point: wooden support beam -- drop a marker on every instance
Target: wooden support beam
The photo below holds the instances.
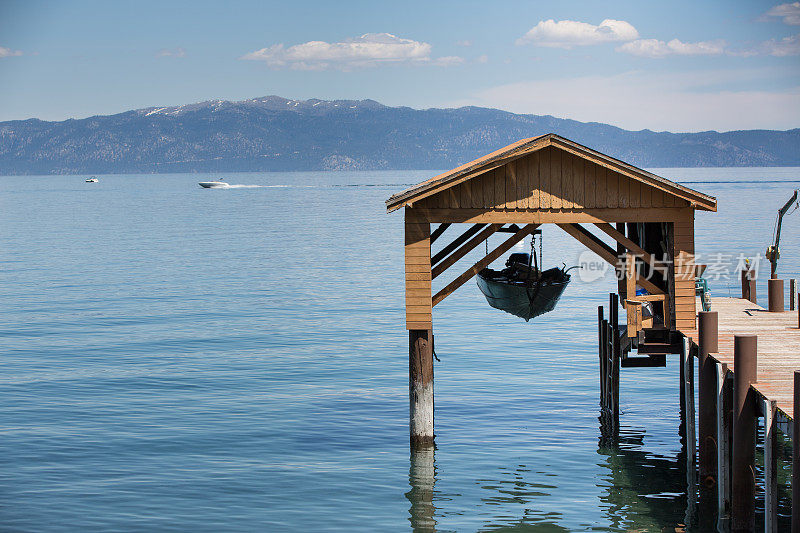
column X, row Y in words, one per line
column 596, row 240
column 630, row 276
column 604, row 251
column 458, row 241
column 634, row 309
column 451, row 259
column 562, row 216
column 632, row 247
column 483, row 263
column 438, row 231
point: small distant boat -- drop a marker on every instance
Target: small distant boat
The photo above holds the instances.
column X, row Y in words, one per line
column 91, row 180
column 220, row 184
column 521, row 290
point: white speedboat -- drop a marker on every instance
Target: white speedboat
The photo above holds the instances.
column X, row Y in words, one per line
column 213, row 184
column 91, row 180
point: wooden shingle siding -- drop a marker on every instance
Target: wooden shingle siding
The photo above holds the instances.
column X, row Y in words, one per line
column 685, row 304
column 418, row 271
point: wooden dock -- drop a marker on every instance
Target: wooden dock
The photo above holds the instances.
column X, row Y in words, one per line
column 593, row 197
column 778, row 346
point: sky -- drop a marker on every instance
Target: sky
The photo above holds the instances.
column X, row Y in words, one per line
column 676, row 66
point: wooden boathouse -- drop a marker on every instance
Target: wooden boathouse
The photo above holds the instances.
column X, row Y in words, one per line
column 544, row 180
column 552, row 180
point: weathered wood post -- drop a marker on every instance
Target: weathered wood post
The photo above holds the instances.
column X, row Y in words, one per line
column 775, row 295
column 724, row 401
column 420, row 386
column 707, row 420
column 769, row 407
column 743, row 482
column 792, row 293
column 796, row 454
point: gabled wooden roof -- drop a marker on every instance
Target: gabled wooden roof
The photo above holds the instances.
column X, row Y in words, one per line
column 524, row 147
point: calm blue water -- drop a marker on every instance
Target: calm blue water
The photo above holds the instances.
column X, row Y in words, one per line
column 182, row 359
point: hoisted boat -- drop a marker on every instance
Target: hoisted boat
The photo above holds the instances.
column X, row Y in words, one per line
column 522, row 289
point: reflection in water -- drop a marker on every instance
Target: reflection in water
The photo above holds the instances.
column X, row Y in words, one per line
column 646, row 492
column 422, row 477
column 513, row 488
column 640, row 491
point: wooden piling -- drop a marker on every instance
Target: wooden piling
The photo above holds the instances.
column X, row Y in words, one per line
column 749, row 286
column 688, row 394
column 612, row 399
column 601, row 351
column 743, row 483
column 769, row 408
column 613, row 313
column 796, row 454
column 724, row 400
column 420, row 386
column 707, row 397
column 792, row 293
column 775, row 295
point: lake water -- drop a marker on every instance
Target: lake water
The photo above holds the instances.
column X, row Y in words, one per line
column 186, row 359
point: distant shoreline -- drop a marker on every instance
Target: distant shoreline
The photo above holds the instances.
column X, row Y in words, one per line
column 273, row 134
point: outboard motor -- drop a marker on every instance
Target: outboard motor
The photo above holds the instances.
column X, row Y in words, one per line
column 519, row 258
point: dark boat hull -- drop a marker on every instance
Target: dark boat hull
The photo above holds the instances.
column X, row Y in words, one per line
column 519, row 300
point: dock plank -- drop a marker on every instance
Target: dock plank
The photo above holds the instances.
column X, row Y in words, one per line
column 778, row 346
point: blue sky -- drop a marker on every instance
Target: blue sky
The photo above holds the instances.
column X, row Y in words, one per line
column 677, row 66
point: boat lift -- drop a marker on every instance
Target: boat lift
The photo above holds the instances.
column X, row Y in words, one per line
column 773, row 252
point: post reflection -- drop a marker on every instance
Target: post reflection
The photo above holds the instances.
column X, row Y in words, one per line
column 650, row 492
column 422, row 478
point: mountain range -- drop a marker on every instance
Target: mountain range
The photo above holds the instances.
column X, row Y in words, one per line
column 278, row 134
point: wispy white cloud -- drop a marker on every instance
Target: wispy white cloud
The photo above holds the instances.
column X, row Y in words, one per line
column 465, row 42
column 638, row 100
column 570, row 33
column 8, row 52
column 790, row 13
column 788, row 46
column 171, row 52
column 483, row 58
column 447, row 61
column 656, row 49
column 368, row 50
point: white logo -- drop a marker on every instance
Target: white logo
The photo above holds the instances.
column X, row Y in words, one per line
column 591, row 268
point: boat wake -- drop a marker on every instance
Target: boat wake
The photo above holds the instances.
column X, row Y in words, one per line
column 223, row 185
